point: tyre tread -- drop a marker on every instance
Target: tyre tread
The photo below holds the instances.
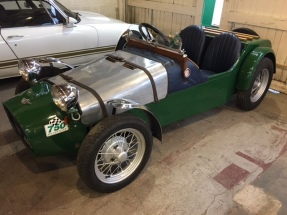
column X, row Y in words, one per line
column 90, row 143
column 243, row 96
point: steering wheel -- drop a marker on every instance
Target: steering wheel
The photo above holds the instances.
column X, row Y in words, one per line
column 147, row 35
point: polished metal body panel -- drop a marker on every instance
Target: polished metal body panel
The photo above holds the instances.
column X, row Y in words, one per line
column 112, row 80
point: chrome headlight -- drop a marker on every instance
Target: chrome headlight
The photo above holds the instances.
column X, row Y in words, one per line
column 29, row 69
column 65, row 96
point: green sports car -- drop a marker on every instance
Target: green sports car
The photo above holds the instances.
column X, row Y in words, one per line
column 108, row 110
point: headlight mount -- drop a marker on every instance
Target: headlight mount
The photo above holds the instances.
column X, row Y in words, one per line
column 29, row 69
column 65, row 96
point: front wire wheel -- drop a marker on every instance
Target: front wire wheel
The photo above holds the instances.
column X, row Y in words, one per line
column 120, row 155
column 114, row 152
column 249, row 99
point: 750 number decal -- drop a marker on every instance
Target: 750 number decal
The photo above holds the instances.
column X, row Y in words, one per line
column 55, row 129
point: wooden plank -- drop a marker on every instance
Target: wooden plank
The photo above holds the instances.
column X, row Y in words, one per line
column 284, row 76
column 138, row 15
column 156, row 18
column 279, row 86
column 261, row 31
column 177, row 20
column 281, row 66
column 122, row 10
column 271, row 34
column 235, row 6
column 244, row 6
column 167, row 7
column 277, row 9
column 257, row 20
column 198, row 14
column 282, row 54
column 253, row 6
column 283, row 7
column 183, row 23
column 248, row 36
column 167, row 22
column 148, row 15
column 264, row 8
column 276, row 42
column 227, row 7
column 277, row 75
column 218, row 33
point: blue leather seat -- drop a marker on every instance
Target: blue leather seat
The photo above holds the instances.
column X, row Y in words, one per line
column 221, row 54
column 193, row 39
column 176, row 81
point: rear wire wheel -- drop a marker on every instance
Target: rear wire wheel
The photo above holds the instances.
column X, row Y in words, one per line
column 249, row 99
column 114, row 152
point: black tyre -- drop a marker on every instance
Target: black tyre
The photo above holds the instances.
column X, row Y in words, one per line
column 46, row 72
column 114, row 152
column 245, row 31
column 22, row 86
column 252, row 97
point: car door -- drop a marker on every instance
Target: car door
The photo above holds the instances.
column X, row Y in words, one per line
column 36, row 28
column 8, row 61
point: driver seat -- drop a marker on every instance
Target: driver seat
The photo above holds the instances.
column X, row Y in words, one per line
column 193, row 39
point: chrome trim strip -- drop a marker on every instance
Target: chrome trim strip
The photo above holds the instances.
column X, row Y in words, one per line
column 63, row 55
column 65, row 16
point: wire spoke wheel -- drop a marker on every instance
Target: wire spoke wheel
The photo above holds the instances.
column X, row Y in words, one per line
column 250, row 98
column 259, row 85
column 114, row 152
column 120, row 155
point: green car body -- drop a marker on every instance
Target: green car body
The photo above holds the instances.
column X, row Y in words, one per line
column 32, row 109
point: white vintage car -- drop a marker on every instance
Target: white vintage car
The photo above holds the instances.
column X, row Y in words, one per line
column 41, row 28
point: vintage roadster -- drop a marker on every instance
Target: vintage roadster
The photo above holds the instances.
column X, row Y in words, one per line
column 108, row 110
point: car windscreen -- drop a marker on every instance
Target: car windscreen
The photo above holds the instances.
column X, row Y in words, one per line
column 67, row 11
column 23, row 13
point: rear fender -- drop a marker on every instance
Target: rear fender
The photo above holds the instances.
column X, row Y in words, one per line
column 122, row 105
column 251, row 63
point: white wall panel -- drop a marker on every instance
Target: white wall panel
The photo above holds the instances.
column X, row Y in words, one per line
column 269, row 20
column 106, row 7
column 167, row 15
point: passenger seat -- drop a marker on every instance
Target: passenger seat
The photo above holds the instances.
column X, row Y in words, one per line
column 221, row 54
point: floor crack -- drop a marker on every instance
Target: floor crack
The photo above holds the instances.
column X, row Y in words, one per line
column 214, row 198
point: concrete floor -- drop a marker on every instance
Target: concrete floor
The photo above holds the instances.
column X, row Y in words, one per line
column 224, row 161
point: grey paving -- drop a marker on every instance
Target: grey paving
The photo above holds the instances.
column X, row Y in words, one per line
column 203, row 165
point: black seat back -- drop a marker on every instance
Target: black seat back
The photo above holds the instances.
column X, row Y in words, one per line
column 222, row 53
column 193, row 38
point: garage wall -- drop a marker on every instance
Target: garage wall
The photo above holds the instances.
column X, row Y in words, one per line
column 106, row 7
column 269, row 20
column 167, row 15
